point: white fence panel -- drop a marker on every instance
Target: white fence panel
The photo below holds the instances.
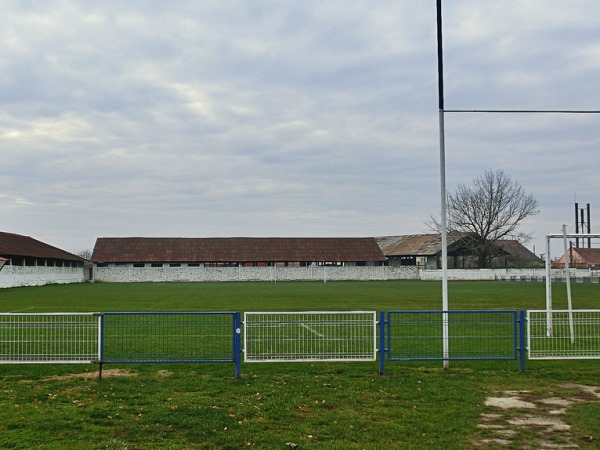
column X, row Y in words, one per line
column 310, row 336
column 563, row 334
column 37, row 338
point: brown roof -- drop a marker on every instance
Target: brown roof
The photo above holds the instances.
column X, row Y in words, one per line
column 140, row 249
column 430, row 244
column 582, row 257
column 412, row 244
column 516, row 249
column 18, row 245
column 591, row 256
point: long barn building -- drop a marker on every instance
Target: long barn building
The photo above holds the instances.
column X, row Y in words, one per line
column 205, row 259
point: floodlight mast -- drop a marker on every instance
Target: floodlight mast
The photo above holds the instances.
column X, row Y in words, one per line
column 444, row 213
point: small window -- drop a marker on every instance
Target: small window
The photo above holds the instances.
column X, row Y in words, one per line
column 175, row 265
column 193, row 264
column 156, row 265
column 101, row 265
column 139, row 265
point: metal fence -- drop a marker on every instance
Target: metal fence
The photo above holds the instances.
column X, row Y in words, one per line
column 159, row 337
column 310, row 336
column 563, row 334
column 215, row 337
column 49, row 338
column 472, row 335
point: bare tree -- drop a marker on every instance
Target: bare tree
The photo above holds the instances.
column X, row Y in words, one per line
column 491, row 209
column 85, row 254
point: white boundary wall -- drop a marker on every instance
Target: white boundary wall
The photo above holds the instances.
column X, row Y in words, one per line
column 508, row 274
column 16, row 276
column 128, row 273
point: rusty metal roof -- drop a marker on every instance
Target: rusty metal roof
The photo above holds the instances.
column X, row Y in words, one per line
column 430, row 244
column 18, row 245
column 412, row 244
column 142, row 249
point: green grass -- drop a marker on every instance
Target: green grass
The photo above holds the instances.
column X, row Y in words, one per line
column 290, row 296
column 313, row 405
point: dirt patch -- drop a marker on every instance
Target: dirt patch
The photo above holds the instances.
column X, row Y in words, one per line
column 509, row 403
column 164, row 374
column 532, row 421
column 107, row 373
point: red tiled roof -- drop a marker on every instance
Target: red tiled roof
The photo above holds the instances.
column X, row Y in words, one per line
column 18, row 245
column 589, row 256
column 140, row 249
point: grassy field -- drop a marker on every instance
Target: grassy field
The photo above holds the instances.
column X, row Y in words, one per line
column 282, row 405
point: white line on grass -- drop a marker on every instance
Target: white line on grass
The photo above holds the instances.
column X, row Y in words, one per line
column 311, row 330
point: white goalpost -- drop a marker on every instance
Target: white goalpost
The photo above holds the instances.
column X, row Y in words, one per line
column 564, row 236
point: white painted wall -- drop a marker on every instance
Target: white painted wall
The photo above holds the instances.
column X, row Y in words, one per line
column 503, row 274
column 15, row 276
column 128, row 273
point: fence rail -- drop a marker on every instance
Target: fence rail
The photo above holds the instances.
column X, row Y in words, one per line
column 171, row 337
column 310, row 336
column 52, row 338
column 472, row 335
column 215, row 337
column 563, row 334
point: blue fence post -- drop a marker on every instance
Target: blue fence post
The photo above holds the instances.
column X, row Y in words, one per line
column 381, row 342
column 522, row 349
column 100, row 345
column 237, row 345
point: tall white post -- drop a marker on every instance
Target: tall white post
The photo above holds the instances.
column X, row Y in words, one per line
column 444, row 208
column 444, row 231
column 548, row 290
column 568, row 281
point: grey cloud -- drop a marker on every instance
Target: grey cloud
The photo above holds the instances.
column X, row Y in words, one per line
column 283, row 118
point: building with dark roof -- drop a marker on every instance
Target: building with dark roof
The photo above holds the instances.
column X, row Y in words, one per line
column 238, row 258
column 243, row 251
column 32, row 263
column 425, row 251
column 580, row 258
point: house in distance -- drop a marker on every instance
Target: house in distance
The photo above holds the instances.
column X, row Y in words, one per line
column 30, row 262
column 425, row 251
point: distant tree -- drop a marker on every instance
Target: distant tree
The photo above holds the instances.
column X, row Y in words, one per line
column 85, row 254
column 491, row 209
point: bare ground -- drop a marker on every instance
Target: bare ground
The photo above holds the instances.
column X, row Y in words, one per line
column 522, row 419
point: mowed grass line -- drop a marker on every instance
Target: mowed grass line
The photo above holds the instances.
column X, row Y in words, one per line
column 320, row 405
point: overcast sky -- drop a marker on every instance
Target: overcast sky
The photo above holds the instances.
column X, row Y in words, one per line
column 287, row 118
